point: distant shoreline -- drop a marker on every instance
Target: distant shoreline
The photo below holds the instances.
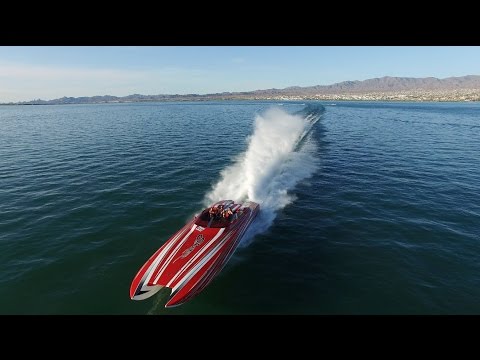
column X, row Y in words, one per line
column 246, row 99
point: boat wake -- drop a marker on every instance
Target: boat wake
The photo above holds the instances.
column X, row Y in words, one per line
column 280, row 154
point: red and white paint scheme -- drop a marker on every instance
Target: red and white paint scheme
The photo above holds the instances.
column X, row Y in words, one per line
column 193, row 256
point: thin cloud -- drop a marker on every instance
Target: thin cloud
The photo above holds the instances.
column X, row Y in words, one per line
column 239, row 60
column 35, row 72
column 20, row 82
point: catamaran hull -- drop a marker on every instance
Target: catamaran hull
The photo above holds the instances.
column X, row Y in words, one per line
column 193, row 256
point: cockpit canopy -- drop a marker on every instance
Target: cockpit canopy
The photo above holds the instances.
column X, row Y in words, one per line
column 218, row 221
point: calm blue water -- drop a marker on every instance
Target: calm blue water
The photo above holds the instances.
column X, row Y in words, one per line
column 385, row 221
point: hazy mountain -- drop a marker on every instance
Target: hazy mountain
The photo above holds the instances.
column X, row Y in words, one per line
column 386, row 85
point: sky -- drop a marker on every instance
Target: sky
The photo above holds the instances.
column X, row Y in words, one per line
column 28, row 73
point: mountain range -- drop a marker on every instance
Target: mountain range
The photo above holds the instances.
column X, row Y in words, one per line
column 389, row 88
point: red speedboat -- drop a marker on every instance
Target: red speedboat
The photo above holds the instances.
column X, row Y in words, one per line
column 193, row 256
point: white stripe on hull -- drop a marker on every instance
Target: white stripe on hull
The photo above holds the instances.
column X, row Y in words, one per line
column 215, row 251
column 143, row 283
column 200, row 264
column 153, row 266
column 196, row 256
column 165, row 264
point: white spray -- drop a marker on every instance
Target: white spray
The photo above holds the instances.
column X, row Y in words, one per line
column 271, row 166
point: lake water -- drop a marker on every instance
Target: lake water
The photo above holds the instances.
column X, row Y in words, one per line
column 373, row 209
